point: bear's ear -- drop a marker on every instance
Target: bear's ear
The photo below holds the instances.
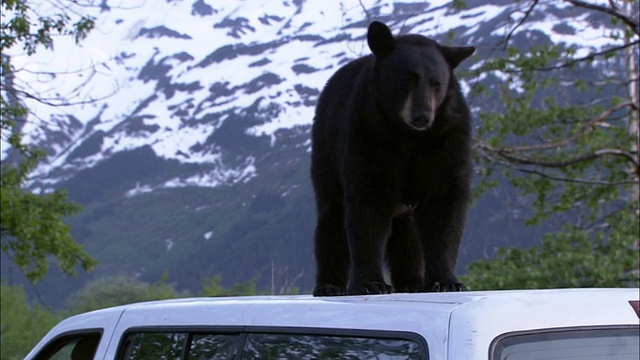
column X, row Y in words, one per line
column 455, row 54
column 380, row 39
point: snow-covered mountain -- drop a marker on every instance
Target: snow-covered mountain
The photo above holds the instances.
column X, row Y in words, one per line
column 209, row 95
column 169, row 74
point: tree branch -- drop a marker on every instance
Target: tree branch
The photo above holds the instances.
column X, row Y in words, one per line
column 63, row 102
column 575, row 180
column 512, row 165
column 591, row 123
column 560, row 164
column 627, row 20
column 504, row 42
column 590, row 56
column 366, row 12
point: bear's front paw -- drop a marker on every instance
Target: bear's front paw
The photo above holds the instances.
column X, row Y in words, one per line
column 328, row 290
column 369, row 288
column 446, row 287
column 415, row 288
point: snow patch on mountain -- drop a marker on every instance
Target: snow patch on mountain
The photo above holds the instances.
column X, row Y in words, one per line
column 170, row 74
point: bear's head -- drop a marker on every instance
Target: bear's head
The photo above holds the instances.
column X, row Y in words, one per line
column 412, row 74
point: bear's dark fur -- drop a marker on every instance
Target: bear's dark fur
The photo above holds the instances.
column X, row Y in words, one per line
column 391, row 168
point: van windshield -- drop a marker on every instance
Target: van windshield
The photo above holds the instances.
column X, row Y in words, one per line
column 591, row 344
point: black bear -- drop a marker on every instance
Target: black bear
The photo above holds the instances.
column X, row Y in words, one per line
column 391, row 168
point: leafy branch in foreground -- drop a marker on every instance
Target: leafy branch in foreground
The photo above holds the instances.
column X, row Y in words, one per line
column 561, row 126
column 32, row 225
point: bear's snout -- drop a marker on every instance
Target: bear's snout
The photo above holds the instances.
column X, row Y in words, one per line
column 418, row 113
column 421, row 120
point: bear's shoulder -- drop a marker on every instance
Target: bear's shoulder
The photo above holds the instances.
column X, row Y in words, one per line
column 354, row 67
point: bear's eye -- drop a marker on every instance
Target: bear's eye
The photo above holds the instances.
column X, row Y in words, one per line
column 414, row 77
column 434, row 83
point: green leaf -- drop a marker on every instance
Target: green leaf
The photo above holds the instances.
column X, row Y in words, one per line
column 554, row 126
column 32, row 225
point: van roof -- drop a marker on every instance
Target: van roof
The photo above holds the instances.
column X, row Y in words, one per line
column 572, row 304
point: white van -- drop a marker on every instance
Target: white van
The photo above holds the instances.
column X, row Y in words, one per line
column 514, row 325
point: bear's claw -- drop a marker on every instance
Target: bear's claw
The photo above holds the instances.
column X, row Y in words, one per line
column 446, row 287
column 369, row 288
column 328, row 290
column 417, row 288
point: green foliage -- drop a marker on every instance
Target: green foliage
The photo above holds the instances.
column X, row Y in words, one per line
column 572, row 258
column 19, row 29
column 458, row 4
column 211, row 287
column 32, row 226
column 564, row 132
column 120, row 290
column 21, row 325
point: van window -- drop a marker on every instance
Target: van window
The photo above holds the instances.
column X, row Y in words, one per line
column 592, row 344
column 213, row 346
column 155, row 345
column 179, row 345
column 201, row 345
column 307, row 347
column 74, row 346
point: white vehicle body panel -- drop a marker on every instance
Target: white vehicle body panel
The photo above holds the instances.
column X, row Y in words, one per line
column 454, row 325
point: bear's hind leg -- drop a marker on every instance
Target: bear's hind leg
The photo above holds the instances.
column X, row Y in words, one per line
column 404, row 256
